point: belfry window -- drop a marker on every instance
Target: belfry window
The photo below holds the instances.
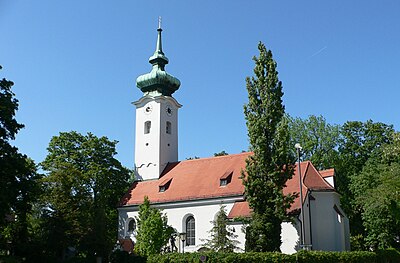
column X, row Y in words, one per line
column 190, row 231
column 168, row 127
column 147, row 127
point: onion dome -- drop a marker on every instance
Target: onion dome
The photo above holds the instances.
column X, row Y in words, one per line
column 158, row 79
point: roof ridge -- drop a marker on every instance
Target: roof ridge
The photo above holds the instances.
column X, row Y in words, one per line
column 216, row 157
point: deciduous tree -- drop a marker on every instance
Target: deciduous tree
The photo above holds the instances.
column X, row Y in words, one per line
column 319, row 140
column 377, row 196
column 358, row 142
column 271, row 165
column 153, row 231
column 84, row 183
column 18, row 178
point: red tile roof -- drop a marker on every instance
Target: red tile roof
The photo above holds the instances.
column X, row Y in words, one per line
column 200, row 179
column 240, row 209
column 327, row 173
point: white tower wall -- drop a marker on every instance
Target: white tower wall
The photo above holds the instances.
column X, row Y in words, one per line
column 155, row 147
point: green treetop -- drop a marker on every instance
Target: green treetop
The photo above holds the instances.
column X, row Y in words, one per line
column 83, row 185
column 19, row 180
column 268, row 169
column 153, row 231
column 222, row 238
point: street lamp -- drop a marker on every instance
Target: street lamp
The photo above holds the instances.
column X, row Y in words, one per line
column 298, row 147
column 183, row 238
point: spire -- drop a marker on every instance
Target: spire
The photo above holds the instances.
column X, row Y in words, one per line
column 158, row 57
column 159, row 43
column 158, row 79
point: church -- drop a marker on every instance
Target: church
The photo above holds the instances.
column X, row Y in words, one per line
column 191, row 192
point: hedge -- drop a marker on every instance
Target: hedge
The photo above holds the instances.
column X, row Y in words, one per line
column 386, row 256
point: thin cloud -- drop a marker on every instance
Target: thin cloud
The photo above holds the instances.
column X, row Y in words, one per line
column 319, row 51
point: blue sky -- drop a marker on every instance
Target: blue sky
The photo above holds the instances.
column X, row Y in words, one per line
column 74, row 64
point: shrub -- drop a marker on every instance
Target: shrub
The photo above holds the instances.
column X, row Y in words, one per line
column 385, row 256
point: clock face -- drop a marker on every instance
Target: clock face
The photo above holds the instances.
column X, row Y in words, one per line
column 148, row 109
column 168, row 110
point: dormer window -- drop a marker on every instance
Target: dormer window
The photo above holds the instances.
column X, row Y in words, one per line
column 147, row 127
column 225, row 179
column 164, row 185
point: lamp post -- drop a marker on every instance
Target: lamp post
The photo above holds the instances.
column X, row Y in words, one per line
column 302, row 239
column 183, row 238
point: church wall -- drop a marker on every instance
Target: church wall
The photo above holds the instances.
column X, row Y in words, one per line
column 204, row 212
column 177, row 214
column 329, row 228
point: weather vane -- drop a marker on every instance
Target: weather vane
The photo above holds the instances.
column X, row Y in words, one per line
column 159, row 22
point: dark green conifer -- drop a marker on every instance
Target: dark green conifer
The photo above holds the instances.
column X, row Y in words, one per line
column 271, row 165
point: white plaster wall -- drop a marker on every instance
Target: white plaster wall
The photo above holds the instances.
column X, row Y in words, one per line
column 155, row 149
column 330, row 180
column 329, row 230
column 202, row 213
column 289, row 237
column 324, row 231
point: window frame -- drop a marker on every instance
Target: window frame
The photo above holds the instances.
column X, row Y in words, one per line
column 190, row 225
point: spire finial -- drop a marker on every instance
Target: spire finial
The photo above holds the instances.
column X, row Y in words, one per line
column 159, row 44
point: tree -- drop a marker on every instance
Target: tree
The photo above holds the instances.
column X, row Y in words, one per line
column 271, row 164
column 222, row 238
column 358, row 142
column 83, row 185
column 10, row 159
column 153, row 231
column 377, row 196
column 318, row 139
column 18, row 178
column 221, row 153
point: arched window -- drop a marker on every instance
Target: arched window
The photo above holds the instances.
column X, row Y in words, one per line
column 190, row 231
column 168, row 127
column 147, row 127
column 131, row 225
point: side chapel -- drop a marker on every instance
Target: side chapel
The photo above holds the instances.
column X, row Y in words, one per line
column 191, row 192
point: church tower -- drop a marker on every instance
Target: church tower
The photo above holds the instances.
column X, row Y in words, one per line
column 156, row 140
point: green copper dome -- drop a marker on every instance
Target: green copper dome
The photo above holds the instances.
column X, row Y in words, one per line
column 158, row 79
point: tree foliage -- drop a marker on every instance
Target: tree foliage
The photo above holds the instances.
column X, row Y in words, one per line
column 19, row 179
column 319, row 140
column 221, row 153
column 153, row 231
column 377, row 196
column 268, row 169
column 83, row 185
column 222, row 238
column 365, row 156
column 358, row 142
